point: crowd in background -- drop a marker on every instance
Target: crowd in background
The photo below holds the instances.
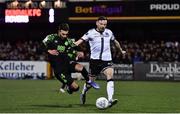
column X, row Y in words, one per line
column 22, row 50
column 136, row 51
column 146, row 51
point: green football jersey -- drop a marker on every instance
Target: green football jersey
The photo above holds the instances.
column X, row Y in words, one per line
column 64, row 46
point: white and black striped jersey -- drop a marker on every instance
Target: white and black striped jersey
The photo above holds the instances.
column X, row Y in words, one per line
column 99, row 44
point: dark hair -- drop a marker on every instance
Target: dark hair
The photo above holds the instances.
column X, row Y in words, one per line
column 102, row 18
column 63, row 26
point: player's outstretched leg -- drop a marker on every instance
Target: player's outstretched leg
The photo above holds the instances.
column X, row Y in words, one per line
column 110, row 93
column 85, row 89
column 86, row 76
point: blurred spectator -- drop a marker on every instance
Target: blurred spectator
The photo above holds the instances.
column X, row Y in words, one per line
column 19, row 50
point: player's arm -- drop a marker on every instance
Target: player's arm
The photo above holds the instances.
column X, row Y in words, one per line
column 53, row 52
column 85, row 37
column 118, row 46
column 48, row 45
column 73, row 45
column 78, row 42
column 79, row 55
column 78, row 47
column 75, row 51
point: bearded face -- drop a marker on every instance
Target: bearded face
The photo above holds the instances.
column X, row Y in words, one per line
column 101, row 25
column 63, row 34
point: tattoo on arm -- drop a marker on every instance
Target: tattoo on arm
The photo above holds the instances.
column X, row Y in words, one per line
column 117, row 44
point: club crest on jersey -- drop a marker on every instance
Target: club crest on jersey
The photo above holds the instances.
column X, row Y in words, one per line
column 106, row 34
column 61, row 48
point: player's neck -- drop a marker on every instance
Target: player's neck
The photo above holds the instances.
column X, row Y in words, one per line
column 99, row 31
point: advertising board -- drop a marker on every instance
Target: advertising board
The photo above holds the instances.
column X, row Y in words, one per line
column 157, row 71
column 24, row 69
column 125, row 10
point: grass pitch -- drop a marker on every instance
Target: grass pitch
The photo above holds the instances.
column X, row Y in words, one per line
column 42, row 96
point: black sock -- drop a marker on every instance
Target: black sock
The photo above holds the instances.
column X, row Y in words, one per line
column 63, row 85
column 110, row 80
column 85, row 74
column 58, row 77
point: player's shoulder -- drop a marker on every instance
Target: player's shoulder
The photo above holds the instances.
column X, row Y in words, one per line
column 91, row 30
column 70, row 40
column 51, row 36
column 108, row 30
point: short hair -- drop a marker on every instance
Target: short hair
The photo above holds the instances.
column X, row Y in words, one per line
column 102, row 18
column 63, row 26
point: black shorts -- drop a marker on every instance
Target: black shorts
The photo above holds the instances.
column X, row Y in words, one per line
column 97, row 66
column 63, row 71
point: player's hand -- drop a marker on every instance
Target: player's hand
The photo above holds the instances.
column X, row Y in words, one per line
column 123, row 52
column 53, row 52
column 79, row 55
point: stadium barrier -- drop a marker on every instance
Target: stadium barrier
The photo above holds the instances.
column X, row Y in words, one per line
column 136, row 71
column 25, row 70
column 146, row 71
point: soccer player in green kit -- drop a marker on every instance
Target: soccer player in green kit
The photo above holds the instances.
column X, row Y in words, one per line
column 62, row 53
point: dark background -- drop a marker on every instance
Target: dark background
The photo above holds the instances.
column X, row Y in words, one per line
column 123, row 30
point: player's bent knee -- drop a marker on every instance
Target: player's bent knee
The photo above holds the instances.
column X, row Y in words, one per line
column 79, row 67
column 73, row 89
column 109, row 73
column 70, row 90
column 76, row 89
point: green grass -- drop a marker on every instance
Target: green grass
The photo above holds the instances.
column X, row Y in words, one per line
column 35, row 96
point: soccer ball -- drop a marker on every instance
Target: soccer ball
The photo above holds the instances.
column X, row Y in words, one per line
column 102, row 103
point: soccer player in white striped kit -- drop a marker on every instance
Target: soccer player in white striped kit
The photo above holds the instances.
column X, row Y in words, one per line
column 99, row 39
